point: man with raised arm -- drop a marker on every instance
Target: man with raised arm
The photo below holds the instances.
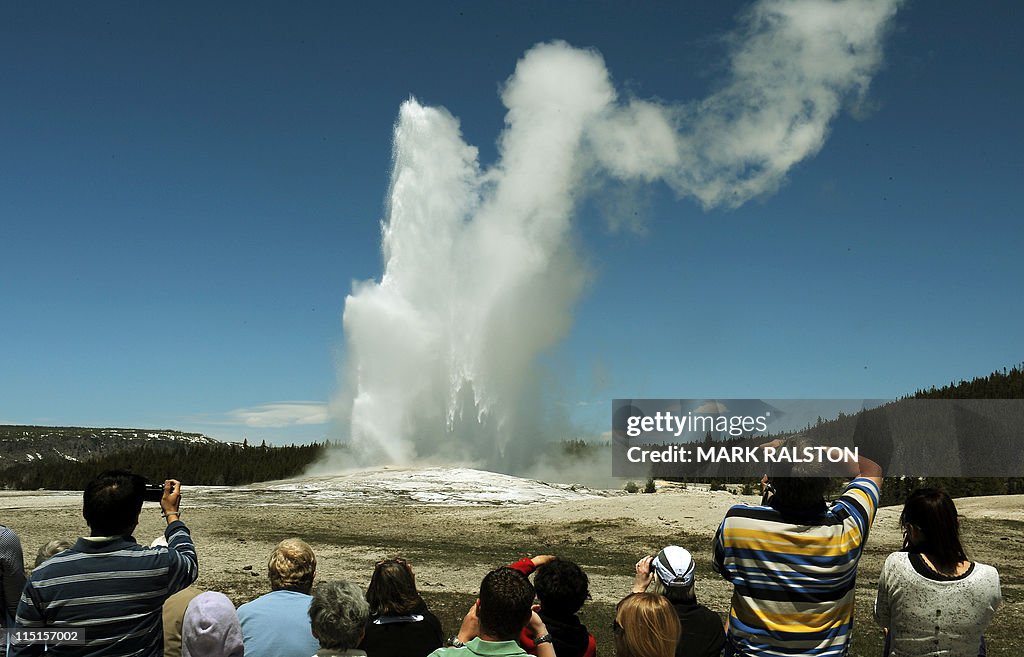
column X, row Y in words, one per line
column 562, row 587
column 106, row 588
column 493, row 624
column 793, row 561
column 673, row 573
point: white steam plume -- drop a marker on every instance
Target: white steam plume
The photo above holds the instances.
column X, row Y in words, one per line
column 793, row 64
column 480, row 276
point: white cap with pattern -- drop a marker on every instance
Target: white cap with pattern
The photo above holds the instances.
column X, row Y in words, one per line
column 674, row 566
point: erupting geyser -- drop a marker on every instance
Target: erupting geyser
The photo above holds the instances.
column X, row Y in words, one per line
column 479, row 275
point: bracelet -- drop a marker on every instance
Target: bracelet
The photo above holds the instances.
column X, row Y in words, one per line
column 172, row 513
column 543, row 638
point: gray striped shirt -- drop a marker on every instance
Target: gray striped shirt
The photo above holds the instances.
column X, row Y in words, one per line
column 112, row 589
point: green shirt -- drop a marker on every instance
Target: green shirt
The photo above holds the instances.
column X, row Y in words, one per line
column 478, row 646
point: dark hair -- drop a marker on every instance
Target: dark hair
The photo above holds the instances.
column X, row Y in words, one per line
column 561, row 587
column 799, row 497
column 112, row 502
column 933, row 514
column 675, row 594
column 392, row 590
column 506, row 600
column 800, row 487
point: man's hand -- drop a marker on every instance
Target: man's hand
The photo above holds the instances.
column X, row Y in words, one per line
column 536, row 628
column 536, row 625
column 171, row 500
column 542, row 559
column 644, row 576
column 470, row 625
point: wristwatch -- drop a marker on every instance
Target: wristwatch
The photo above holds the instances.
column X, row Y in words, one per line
column 543, row 638
column 454, row 642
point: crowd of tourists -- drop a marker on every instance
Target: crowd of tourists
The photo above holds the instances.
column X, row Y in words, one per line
column 791, row 560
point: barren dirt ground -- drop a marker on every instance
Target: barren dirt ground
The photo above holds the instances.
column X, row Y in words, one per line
column 451, row 548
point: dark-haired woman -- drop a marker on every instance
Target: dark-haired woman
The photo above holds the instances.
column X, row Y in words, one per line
column 400, row 624
column 931, row 598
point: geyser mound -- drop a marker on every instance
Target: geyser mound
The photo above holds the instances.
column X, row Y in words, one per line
column 438, row 486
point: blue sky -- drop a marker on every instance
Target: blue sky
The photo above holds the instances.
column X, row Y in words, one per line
column 187, row 193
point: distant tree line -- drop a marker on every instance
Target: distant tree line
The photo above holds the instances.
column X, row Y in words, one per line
column 213, row 464
column 874, row 436
column 1005, row 384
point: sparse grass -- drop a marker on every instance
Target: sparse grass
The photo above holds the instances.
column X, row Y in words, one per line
column 451, row 551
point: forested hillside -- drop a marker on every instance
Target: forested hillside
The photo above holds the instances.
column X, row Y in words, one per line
column 1008, row 384
column 192, row 460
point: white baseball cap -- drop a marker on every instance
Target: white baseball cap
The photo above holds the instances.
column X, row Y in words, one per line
column 674, row 566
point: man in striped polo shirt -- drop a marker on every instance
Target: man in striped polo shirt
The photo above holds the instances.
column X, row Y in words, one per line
column 107, row 585
column 793, row 563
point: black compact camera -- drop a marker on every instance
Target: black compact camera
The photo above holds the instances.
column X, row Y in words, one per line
column 153, row 492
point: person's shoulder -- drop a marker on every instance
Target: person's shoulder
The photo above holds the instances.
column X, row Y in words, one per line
column 744, row 510
column 898, row 557
column 185, row 595
column 258, row 603
column 707, row 611
column 750, row 516
column 985, row 571
column 61, row 564
column 283, row 599
column 698, row 615
column 896, row 560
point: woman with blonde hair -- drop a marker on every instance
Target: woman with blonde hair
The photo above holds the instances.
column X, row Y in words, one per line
column 645, row 625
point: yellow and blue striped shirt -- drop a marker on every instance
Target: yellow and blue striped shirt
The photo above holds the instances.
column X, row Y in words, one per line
column 794, row 583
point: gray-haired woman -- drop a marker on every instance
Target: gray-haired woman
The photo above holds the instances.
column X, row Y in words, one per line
column 337, row 616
